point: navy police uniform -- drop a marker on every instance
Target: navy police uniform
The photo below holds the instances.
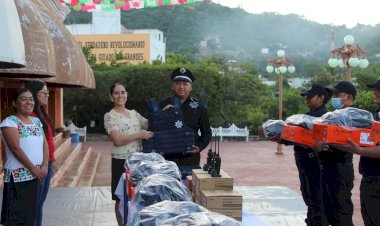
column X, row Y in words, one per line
column 195, row 116
column 337, row 173
column 370, row 184
column 309, row 170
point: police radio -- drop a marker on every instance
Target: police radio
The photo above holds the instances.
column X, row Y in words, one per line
column 217, row 161
column 213, row 155
column 207, row 165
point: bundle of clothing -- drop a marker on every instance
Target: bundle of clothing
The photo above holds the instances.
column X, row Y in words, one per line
column 159, row 187
column 352, row 117
column 301, row 120
column 273, row 128
column 147, row 168
column 157, row 213
column 201, row 219
column 134, row 159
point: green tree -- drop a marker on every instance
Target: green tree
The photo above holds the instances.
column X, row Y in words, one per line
column 87, row 52
column 365, row 100
column 293, row 103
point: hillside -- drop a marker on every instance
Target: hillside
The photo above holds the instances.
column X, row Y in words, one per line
column 241, row 35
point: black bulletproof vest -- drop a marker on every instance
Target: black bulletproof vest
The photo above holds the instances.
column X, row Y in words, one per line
column 171, row 134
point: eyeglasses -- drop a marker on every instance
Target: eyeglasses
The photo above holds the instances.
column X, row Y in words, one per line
column 45, row 93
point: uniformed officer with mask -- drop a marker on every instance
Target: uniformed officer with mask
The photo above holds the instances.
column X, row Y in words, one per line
column 195, row 116
column 307, row 162
column 337, row 169
column 369, row 167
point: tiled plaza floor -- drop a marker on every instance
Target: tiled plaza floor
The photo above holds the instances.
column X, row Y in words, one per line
column 268, row 182
column 255, row 164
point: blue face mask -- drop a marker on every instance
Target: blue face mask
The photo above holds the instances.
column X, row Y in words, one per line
column 336, row 103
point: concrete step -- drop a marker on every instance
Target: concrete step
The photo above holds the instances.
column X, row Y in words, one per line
column 75, row 169
column 63, row 164
column 88, row 175
column 103, row 172
column 58, row 140
column 62, row 152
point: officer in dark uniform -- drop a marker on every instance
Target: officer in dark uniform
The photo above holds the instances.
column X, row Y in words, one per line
column 337, row 169
column 307, row 161
column 195, row 116
column 369, row 167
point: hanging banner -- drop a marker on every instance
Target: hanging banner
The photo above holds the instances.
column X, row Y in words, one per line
column 112, row 5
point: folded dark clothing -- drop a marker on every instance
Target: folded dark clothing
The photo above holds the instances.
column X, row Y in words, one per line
column 352, row 117
column 301, row 120
column 273, row 128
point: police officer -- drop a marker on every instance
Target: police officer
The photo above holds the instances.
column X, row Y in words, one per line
column 337, row 169
column 307, row 162
column 195, row 116
column 369, row 167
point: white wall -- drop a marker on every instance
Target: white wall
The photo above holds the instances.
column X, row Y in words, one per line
column 157, row 43
column 109, row 23
column 106, row 22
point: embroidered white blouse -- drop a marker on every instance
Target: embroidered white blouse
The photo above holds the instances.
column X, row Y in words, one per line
column 31, row 142
column 114, row 121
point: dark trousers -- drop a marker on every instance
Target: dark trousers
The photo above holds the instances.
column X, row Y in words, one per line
column 311, row 189
column 370, row 200
column 337, row 184
column 44, row 189
column 117, row 169
column 20, row 202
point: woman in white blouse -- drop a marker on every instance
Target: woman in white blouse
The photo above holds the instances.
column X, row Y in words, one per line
column 27, row 157
column 126, row 128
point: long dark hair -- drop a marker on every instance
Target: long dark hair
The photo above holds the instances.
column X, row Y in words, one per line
column 35, row 86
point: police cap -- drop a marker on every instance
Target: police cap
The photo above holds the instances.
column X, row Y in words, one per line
column 316, row 89
column 182, row 74
column 344, row 87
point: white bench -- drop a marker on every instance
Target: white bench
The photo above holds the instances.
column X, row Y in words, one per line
column 232, row 131
column 80, row 131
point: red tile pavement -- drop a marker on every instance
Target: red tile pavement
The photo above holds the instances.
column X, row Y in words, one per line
column 250, row 163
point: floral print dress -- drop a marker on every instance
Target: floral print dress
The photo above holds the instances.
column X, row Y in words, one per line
column 114, row 121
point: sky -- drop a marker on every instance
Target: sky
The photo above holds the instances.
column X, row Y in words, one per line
column 334, row 12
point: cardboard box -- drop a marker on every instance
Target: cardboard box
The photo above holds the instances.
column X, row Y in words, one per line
column 340, row 134
column 195, row 172
column 189, row 182
column 227, row 202
column 206, row 182
column 220, row 199
column 375, row 132
column 298, row 135
column 236, row 214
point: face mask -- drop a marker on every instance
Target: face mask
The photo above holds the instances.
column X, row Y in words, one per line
column 336, row 103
